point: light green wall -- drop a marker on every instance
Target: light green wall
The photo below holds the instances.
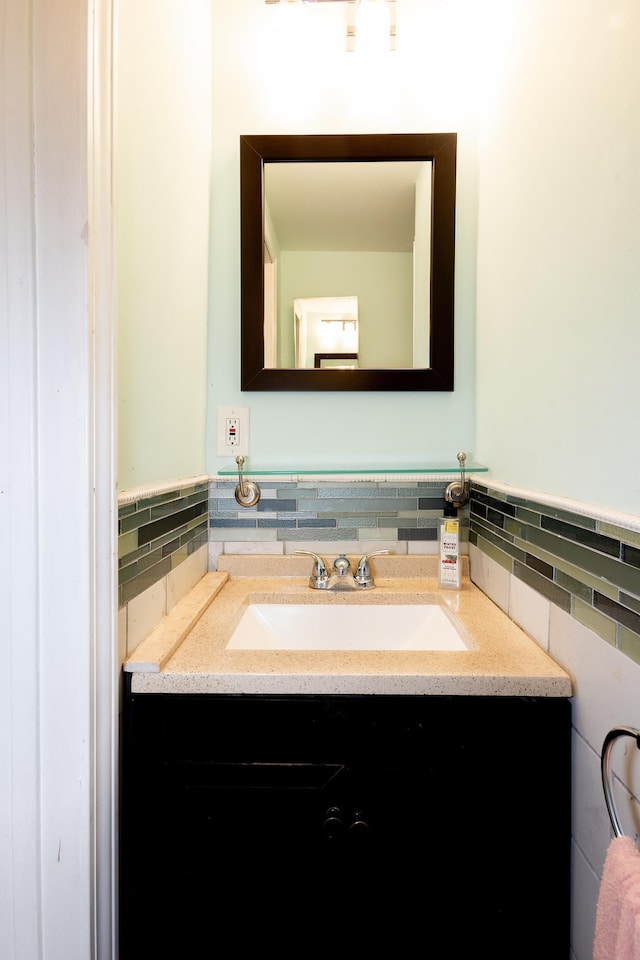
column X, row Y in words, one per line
column 162, row 167
column 545, row 100
column 559, row 251
column 381, row 281
column 263, row 82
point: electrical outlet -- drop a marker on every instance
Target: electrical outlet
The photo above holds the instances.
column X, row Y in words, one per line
column 233, row 431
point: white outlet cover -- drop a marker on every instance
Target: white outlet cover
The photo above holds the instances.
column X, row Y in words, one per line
column 242, row 447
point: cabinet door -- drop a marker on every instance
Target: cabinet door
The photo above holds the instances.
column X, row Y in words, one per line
column 357, row 822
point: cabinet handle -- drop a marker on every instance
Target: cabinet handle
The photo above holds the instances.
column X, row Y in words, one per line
column 359, row 825
column 333, row 823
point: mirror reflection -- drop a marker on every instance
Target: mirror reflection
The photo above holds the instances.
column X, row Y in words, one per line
column 353, row 226
column 364, row 216
column 326, row 332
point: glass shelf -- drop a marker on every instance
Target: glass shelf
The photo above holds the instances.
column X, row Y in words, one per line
column 420, row 469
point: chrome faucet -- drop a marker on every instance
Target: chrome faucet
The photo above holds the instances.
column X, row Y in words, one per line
column 341, row 577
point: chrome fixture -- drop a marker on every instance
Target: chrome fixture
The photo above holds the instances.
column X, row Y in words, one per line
column 319, row 574
column 247, row 492
column 457, row 493
column 342, row 577
column 607, row 777
column 368, row 16
column 363, row 575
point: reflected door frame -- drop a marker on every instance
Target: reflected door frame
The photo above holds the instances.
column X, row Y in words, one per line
column 270, row 306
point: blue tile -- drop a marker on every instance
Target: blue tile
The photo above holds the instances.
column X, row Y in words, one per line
column 277, row 506
column 237, row 524
column 423, row 533
column 267, row 524
column 318, row 522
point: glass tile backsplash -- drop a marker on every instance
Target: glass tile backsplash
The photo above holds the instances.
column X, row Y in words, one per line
column 588, row 567
column 300, row 511
column 157, row 533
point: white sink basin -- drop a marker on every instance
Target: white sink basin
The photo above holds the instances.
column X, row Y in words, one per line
column 357, row 626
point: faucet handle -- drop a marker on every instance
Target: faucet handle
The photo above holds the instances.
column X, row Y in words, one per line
column 319, row 574
column 341, row 565
column 363, row 575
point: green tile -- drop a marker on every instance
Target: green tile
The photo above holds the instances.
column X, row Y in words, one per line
column 495, row 553
column 167, row 497
column 345, row 523
column 590, row 581
column 594, row 620
column 377, row 534
column 247, row 534
column 131, row 558
column 128, row 573
column 497, row 494
column 629, row 643
column 616, row 572
column 362, row 505
column 135, row 520
column 127, row 543
column 567, row 516
column 319, row 534
column 491, row 530
column 632, row 537
column 502, row 543
column 528, row 516
column 514, row 527
column 141, row 583
column 628, row 601
column 176, row 531
column 150, row 560
column 574, row 586
column 355, row 492
column 542, row 585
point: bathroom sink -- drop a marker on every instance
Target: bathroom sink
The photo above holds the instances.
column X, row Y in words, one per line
column 355, row 626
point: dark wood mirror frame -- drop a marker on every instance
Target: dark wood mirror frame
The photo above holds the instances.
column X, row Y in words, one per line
column 255, row 151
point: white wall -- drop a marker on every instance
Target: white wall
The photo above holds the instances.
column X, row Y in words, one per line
column 162, row 168
column 559, row 250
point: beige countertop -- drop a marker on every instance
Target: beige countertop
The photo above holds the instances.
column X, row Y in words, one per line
column 186, row 652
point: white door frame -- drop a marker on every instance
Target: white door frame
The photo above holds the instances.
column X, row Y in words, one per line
column 104, row 515
column 58, row 610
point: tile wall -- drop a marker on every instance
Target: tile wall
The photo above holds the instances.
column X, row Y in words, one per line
column 587, row 566
column 157, row 531
column 292, row 511
column 162, row 552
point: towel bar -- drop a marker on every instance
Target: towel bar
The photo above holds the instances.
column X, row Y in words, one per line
column 605, row 767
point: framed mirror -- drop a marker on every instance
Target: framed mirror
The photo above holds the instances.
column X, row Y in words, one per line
column 331, row 219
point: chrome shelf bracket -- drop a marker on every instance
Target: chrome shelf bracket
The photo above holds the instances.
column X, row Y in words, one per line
column 247, row 492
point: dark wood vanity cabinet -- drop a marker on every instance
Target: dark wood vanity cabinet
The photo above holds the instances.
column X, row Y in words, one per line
column 433, row 826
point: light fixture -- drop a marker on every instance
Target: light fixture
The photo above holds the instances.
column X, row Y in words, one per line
column 363, row 16
column 343, row 320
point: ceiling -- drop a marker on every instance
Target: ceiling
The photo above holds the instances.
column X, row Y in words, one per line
column 349, row 205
